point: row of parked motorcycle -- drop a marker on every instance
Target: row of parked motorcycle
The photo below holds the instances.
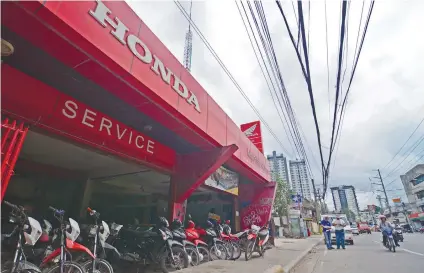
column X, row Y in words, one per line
column 100, row 248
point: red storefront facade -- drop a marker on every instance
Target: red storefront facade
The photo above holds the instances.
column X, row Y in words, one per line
column 94, row 73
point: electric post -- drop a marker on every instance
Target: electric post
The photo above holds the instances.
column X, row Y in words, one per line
column 385, row 193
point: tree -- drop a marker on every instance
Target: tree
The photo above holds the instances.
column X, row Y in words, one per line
column 350, row 215
column 282, row 198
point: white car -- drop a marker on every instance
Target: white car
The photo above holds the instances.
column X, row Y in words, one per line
column 347, row 234
column 355, row 230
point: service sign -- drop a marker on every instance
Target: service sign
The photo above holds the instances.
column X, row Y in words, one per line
column 253, row 132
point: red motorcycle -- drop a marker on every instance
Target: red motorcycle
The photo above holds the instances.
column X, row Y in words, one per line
column 232, row 242
column 71, row 230
column 257, row 238
column 194, row 237
column 217, row 248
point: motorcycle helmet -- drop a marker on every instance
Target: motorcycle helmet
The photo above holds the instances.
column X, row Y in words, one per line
column 162, row 222
column 190, row 224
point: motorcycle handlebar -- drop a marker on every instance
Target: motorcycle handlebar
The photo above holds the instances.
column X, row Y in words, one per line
column 57, row 211
column 93, row 212
column 11, row 205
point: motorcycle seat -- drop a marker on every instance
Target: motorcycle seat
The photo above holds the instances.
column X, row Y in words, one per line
column 263, row 233
column 138, row 233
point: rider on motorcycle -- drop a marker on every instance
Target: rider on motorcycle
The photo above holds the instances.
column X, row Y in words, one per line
column 384, row 225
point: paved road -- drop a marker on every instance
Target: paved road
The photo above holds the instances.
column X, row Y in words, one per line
column 367, row 255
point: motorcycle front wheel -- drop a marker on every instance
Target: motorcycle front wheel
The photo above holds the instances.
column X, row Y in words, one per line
column 218, row 252
column 236, row 250
column 180, row 260
column 68, row 267
column 205, row 253
column 249, row 250
column 102, row 266
column 193, row 254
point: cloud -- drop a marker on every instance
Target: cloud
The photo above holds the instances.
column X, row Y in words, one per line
column 386, row 101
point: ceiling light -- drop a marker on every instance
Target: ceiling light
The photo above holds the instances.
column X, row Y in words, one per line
column 6, row 48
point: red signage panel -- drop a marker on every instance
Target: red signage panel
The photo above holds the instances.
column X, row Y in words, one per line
column 258, row 212
column 253, row 132
column 53, row 110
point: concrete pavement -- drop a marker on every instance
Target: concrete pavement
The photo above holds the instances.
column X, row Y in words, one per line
column 284, row 256
column 367, row 255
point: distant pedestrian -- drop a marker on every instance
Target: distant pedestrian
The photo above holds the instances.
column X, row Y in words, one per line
column 326, row 228
column 339, row 225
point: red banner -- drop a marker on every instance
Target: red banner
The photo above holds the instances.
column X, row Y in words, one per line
column 259, row 211
column 253, row 132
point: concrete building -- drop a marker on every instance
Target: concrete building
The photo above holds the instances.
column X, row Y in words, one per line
column 413, row 183
column 278, row 165
column 299, row 178
column 344, row 197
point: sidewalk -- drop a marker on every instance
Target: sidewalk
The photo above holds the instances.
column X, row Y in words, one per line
column 284, row 256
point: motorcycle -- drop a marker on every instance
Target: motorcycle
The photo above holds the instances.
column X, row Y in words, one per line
column 97, row 236
column 27, row 228
column 257, row 239
column 232, row 241
column 142, row 248
column 217, row 248
column 399, row 234
column 390, row 242
column 194, row 237
column 67, row 234
column 179, row 235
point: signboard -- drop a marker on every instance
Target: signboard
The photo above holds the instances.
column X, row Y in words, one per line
column 225, row 180
column 253, row 132
column 396, row 200
column 259, row 211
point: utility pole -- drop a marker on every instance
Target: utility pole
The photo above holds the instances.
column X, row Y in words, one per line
column 317, row 199
column 385, row 193
column 379, row 200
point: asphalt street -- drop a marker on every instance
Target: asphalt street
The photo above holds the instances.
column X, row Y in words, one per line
column 367, row 255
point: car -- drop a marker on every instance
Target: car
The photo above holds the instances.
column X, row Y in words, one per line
column 355, row 229
column 348, row 235
column 364, row 228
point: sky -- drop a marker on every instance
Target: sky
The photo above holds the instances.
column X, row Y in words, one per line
column 386, row 100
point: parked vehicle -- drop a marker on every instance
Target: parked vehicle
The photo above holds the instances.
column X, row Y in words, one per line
column 68, row 232
column 194, row 237
column 154, row 246
column 26, row 228
column 96, row 236
column 231, row 240
column 179, row 235
column 217, row 248
column 354, row 228
column 257, row 238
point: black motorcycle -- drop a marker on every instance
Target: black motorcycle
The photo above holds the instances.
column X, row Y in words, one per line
column 398, row 234
column 154, row 246
column 179, row 235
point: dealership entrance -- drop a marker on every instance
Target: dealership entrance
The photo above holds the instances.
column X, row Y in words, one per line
column 53, row 171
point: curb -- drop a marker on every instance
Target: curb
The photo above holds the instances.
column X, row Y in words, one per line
column 293, row 263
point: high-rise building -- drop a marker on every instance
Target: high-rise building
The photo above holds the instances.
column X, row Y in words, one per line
column 278, row 166
column 300, row 183
column 344, row 198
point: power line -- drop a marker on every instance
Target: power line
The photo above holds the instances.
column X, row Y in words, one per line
column 416, row 128
column 204, row 40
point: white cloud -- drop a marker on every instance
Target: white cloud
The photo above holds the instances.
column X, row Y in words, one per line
column 387, row 97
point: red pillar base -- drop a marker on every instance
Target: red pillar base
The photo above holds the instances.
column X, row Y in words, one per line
column 191, row 171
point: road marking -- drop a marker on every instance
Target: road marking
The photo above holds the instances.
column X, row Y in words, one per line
column 412, row 252
column 406, row 250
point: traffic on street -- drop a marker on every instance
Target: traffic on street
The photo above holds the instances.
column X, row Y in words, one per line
column 367, row 255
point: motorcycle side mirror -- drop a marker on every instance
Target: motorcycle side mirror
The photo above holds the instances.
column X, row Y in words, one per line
column 189, row 217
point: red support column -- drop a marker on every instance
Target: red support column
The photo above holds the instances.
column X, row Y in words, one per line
column 191, row 171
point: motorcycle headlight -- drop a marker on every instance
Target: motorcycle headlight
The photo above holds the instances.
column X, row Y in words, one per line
column 93, row 231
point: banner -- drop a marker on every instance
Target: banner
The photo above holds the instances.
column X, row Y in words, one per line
column 259, row 211
column 396, row 200
column 253, row 132
column 225, row 180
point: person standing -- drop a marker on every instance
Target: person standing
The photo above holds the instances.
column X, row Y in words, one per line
column 326, row 228
column 339, row 225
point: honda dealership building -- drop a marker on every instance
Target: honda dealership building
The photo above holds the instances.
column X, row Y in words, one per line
column 97, row 111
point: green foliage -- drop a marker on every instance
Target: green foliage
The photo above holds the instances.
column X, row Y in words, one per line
column 349, row 214
column 282, row 197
